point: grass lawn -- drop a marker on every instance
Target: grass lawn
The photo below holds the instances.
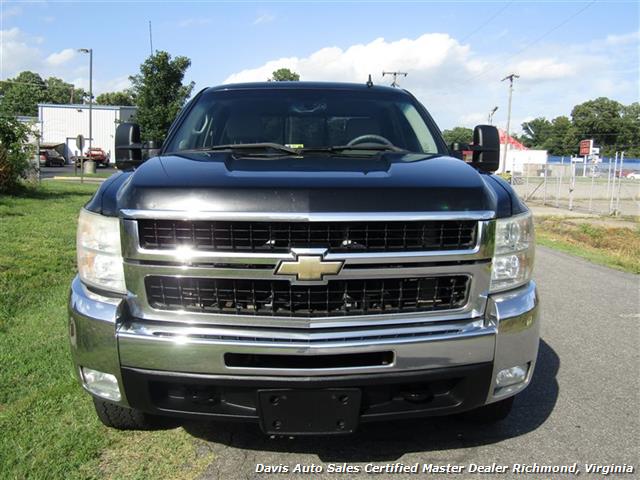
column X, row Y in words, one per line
column 47, row 424
column 610, row 243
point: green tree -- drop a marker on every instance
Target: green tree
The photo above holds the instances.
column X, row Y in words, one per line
column 15, row 152
column 600, row 119
column 21, row 95
column 629, row 138
column 563, row 138
column 160, row 93
column 536, row 132
column 284, row 75
column 59, row 91
column 458, row 135
column 124, row 97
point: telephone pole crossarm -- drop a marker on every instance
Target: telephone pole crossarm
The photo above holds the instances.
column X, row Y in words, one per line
column 395, row 77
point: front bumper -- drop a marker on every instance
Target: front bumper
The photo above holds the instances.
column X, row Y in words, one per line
column 454, row 362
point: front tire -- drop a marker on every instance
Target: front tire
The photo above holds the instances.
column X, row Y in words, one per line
column 123, row 418
column 492, row 413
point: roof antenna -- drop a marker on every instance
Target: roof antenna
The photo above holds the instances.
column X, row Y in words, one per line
column 369, row 82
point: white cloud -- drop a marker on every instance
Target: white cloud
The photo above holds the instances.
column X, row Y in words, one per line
column 16, row 52
column 473, row 118
column 625, row 38
column 193, row 22
column 60, row 58
column 19, row 52
column 543, row 69
column 264, row 18
column 116, row 84
column 459, row 86
column 429, row 54
column 10, row 12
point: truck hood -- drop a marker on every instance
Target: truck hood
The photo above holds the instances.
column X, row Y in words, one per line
column 314, row 183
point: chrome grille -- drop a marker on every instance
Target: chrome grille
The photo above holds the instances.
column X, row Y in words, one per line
column 280, row 298
column 279, row 237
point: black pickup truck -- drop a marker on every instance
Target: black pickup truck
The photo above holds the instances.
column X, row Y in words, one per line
column 307, row 256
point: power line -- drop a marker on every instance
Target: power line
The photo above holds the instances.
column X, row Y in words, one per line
column 489, row 20
column 535, row 41
column 449, row 92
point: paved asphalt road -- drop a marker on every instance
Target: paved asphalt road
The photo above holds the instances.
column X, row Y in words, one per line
column 50, row 172
column 582, row 406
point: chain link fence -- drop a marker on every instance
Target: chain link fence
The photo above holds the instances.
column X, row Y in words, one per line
column 607, row 188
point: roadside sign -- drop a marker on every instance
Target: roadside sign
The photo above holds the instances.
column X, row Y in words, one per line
column 585, row 147
column 80, row 143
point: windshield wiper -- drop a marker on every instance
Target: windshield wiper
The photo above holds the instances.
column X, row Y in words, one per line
column 266, row 146
column 361, row 147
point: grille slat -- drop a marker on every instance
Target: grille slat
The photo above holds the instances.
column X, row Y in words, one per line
column 278, row 237
column 280, row 298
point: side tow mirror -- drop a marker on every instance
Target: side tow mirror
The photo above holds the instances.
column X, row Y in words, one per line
column 128, row 146
column 486, row 148
column 152, row 148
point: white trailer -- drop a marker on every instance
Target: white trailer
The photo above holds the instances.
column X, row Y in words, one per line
column 63, row 123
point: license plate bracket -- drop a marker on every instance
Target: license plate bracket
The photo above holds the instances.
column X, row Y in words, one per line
column 305, row 412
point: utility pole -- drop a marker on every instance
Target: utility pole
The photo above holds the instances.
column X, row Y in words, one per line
column 509, row 77
column 150, row 39
column 395, row 77
column 493, row 110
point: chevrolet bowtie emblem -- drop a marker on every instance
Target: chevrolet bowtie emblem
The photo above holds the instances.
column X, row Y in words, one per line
column 308, row 267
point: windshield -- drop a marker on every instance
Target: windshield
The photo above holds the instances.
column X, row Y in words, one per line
column 304, row 120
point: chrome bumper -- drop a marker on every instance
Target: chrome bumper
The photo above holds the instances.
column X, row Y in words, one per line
column 105, row 337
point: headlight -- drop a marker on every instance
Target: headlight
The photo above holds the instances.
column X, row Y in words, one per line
column 99, row 253
column 514, row 253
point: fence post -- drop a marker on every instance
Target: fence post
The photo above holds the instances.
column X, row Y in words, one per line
column 593, row 177
column 560, row 182
column 544, row 194
column 613, row 185
column 572, row 183
column 619, row 184
column 609, row 176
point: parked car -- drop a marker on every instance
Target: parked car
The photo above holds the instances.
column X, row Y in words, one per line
column 634, row 176
column 623, row 173
column 96, row 154
column 305, row 256
column 51, row 158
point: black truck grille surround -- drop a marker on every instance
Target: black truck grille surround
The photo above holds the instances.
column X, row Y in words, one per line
column 280, row 298
column 243, row 236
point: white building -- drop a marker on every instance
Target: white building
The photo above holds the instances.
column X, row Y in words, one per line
column 518, row 156
column 63, row 123
column 517, row 160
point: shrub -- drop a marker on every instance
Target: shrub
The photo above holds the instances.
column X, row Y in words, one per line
column 15, row 152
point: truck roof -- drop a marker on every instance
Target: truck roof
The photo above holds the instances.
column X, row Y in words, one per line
column 308, row 86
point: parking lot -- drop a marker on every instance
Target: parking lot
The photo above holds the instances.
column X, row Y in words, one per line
column 581, row 407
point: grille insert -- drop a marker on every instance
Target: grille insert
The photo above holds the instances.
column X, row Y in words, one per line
column 241, row 236
column 280, row 298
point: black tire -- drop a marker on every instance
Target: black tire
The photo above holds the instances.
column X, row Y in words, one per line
column 122, row 418
column 492, row 413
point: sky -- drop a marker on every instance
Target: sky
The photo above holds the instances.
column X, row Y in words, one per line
column 455, row 53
